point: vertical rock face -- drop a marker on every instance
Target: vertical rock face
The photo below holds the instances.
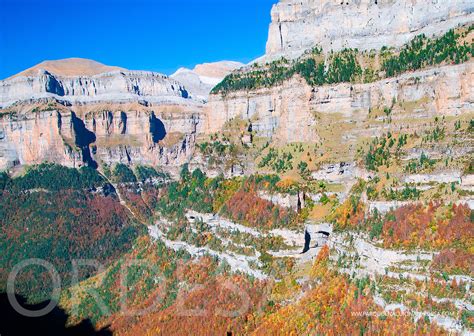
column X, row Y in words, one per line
column 162, row 136
column 298, row 25
column 43, row 136
column 282, row 111
column 290, row 112
column 117, row 86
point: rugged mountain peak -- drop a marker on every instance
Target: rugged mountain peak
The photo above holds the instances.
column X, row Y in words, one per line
column 200, row 80
column 298, row 25
column 69, row 67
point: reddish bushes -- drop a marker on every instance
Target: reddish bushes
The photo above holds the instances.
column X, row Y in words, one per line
column 433, row 226
column 58, row 227
column 454, row 261
column 246, row 207
column 458, row 225
column 209, row 305
column 408, row 224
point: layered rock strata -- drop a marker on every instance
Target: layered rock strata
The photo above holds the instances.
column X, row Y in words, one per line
column 291, row 112
column 298, row 25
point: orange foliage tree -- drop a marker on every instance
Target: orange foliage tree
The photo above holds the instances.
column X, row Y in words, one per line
column 433, row 226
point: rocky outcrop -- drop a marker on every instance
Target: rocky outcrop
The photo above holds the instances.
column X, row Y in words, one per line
column 198, row 86
column 291, row 112
column 298, row 25
column 41, row 137
column 283, row 200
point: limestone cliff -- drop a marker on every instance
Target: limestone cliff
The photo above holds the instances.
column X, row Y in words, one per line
column 334, row 99
column 289, row 112
column 162, row 135
column 115, row 86
column 298, row 25
column 78, row 112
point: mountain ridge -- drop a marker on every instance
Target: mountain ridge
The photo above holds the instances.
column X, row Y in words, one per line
column 74, row 66
column 203, row 77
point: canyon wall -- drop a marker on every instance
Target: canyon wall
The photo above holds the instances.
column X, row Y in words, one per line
column 160, row 136
column 50, row 112
column 294, row 111
column 80, row 112
column 289, row 112
column 298, row 25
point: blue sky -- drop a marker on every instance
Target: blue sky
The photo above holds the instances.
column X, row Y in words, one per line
column 160, row 35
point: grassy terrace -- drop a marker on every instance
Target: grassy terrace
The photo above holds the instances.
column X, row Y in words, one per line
column 351, row 65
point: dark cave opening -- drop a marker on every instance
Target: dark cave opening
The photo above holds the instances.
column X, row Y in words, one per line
column 318, row 238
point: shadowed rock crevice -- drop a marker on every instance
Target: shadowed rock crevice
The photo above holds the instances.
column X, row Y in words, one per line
column 307, row 242
column 184, row 93
column 157, row 128
column 123, row 123
column 60, row 121
column 52, row 85
column 108, row 116
column 83, row 138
